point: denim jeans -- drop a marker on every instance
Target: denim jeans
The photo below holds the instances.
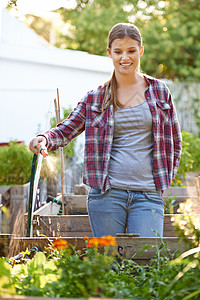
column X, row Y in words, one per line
column 120, row 211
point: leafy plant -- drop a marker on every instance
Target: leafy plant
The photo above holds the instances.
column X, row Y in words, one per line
column 196, row 112
column 190, row 158
column 34, row 277
column 15, row 164
column 5, row 279
column 170, row 205
column 187, row 225
column 92, row 272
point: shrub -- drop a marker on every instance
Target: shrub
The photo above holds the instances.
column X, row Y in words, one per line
column 190, row 158
column 15, row 167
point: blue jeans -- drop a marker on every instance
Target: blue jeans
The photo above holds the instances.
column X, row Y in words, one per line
column 120, row 211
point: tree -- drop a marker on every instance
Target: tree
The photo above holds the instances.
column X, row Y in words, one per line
column 90, row 23
column 170, row 31
column 172, row 40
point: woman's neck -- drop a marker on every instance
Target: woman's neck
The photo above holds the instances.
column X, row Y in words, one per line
column 127, row 80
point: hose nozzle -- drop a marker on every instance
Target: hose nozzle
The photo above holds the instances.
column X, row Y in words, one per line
column 42, row 150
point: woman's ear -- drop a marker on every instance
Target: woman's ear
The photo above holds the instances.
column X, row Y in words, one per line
column 141, row 51
column 109, row 52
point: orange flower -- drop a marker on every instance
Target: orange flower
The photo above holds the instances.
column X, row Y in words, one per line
column 93, row 242
column 102, row 241
column 108, row 240
column 60, row 244
column 86, row 238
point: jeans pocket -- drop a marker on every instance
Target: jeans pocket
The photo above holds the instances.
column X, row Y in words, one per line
column 95, row 194
column 154, row 197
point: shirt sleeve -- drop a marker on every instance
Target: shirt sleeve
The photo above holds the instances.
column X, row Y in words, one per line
column 67, row 130
column 177, row 137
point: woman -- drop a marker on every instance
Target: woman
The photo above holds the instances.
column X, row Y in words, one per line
column 132, row 142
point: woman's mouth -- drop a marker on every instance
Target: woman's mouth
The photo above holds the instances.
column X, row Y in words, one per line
column 126, row 64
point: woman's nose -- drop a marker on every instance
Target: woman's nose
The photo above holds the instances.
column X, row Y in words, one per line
column 124, row 55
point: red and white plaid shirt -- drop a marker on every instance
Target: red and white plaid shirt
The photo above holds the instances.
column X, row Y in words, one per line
column 99, row 128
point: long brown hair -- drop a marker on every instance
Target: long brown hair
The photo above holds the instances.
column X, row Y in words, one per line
column 119, row 31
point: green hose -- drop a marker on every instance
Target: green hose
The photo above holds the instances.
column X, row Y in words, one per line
column 30, row 202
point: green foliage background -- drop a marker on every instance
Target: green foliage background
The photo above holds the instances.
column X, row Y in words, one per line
column 15, row 166
column 190, row 158
column 170, row 31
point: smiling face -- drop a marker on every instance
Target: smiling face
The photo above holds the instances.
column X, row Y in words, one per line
column 125, row 53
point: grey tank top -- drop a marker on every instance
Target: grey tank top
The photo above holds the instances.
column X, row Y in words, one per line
column 131, row 160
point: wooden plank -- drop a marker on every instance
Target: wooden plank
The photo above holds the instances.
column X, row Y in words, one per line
column 131, row 246
column 36, row 298
column 19, row 244
column 74, row 234
column 4, row 244
column 78, row 225
column 47, row 298
column 66, row 223
column 181, row 191
column 79, row 202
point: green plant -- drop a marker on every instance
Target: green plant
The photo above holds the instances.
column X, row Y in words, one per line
column 35, row 277
column 15, row 164
column 196, row 112
column 5, row 279
column 170, row 205
column 187, row 225
column 190, row 158
column 66, row 272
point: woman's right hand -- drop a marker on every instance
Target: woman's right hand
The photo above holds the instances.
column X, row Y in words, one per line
column 33, row 145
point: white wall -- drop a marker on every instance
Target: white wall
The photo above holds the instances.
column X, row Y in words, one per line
column 30, row 76
column 27, row 91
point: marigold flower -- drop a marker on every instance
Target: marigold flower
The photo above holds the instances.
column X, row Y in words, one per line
column 179, row 182
column 93, row 242
column 102, row 241
column 108, row 240
column 60, row 244
column 86, row 238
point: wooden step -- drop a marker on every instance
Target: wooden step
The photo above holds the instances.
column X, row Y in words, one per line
column 47, row 298
column 78, row 225
column 130, row 246
column 77, row 203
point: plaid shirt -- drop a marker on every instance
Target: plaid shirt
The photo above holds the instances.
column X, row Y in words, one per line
column 99, row 127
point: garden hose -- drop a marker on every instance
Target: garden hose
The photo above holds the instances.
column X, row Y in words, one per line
column 30, row 202
column 35, row 174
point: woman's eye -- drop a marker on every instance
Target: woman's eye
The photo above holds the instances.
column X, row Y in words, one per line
column 117, row 52
column 132, row 51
